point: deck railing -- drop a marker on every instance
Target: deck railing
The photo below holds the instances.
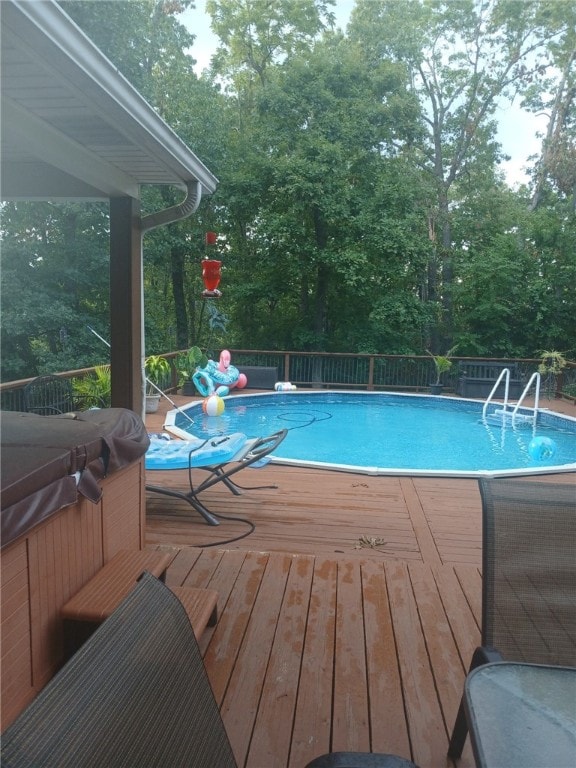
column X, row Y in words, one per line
column 406, row 373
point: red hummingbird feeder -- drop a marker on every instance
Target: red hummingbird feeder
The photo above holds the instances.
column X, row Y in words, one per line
column 211, row 271
column 211, row 277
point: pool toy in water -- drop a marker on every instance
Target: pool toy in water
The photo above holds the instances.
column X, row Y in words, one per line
column 213, row 405
column 541, row 448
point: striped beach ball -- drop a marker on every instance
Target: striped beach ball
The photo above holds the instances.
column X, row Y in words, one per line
column 213, row 406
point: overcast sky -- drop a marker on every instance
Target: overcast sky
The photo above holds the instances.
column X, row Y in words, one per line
column 517, row 128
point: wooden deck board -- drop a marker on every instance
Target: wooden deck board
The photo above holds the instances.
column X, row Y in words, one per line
column 323, row 644
column 312, row 723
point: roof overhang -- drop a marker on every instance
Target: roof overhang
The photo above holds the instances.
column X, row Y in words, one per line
column 72, row 126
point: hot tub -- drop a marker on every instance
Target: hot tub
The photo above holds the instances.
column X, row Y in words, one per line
column 72, row 496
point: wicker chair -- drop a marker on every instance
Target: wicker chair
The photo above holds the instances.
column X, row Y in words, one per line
column 528, row 578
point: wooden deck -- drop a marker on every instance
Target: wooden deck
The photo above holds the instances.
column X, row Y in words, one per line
column 346, row 618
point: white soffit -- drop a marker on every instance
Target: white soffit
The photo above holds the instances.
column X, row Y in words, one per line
column 72, row 127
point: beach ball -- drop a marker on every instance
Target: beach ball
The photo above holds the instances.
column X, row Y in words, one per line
column 541, row 448
column 213, row 406
column 242, row 381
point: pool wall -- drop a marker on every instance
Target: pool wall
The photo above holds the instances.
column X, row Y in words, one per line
column 176, row 423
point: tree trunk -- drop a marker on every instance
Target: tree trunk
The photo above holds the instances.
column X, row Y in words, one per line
column 322, row 277
column 178, row 293
column 558, row 117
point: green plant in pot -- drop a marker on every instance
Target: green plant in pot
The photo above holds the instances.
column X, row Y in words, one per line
column 551, row 366
column 552, row 362
column 442, row 365
column 157, row 370
column 187, row 364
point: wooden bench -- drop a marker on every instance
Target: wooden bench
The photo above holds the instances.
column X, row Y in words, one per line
column 477, row 378
column 100, row 596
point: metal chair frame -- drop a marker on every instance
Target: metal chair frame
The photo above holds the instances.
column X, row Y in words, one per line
column 528, row 578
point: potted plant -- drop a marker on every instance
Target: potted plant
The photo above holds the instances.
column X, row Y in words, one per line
column 552, row 365
column 442, row 364
column 156, row 369
column 186, row 364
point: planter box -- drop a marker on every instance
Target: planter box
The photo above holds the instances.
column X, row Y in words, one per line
column 477, row 379
column 259, row 377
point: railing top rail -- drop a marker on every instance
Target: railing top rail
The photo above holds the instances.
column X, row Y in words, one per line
column 570, row 365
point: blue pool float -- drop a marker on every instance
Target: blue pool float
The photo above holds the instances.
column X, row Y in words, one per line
column 180, row 454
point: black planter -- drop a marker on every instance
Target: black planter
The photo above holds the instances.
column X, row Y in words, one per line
column 436, row 389
column 188, row 389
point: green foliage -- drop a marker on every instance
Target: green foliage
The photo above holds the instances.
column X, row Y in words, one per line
column 360, row 207
column 157, row 371
column 54, row 282
column 188, row 363
column 254, row 35
column 94, row 389
column 442, row 363
column 553, row 362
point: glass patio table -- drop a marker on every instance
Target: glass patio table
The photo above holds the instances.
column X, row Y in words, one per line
column 522, row 715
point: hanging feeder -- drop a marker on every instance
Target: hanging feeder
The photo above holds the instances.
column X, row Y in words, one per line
column 211, row 270
column 211, row 274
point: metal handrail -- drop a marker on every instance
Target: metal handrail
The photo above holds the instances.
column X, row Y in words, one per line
column 535, row 377
column 504, row 373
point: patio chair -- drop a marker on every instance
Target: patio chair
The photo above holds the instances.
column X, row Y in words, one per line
column 48, row 395
column 222, row 457
column 136, row 693
column 528, row 578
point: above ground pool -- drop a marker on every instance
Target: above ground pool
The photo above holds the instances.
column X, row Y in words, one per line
column 378, row 433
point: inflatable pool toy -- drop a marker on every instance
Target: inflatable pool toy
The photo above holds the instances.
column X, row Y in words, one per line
column 178, row 454
column 213, row 405
column 284, row 386
column 218, row 378
column 541, row 448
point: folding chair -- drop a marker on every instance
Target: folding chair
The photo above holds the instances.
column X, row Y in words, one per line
column 137, row 694
column 220, row 461
column 528, row 578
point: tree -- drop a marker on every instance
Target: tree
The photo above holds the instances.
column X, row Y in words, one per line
column 321, row 140
column 54, row 282
column 255, row 34
column 553, row 92
column 463, row 59
column 141, row 37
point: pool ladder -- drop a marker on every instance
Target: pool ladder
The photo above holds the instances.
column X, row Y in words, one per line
column 504, row 415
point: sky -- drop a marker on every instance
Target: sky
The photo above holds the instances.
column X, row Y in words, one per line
column 517, row 128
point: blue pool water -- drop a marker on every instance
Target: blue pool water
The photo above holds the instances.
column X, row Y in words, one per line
column 379, row 433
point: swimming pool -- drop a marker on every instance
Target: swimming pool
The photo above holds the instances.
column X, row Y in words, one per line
column 379, row 434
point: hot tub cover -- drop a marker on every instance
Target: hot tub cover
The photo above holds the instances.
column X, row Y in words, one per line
column 46, row 461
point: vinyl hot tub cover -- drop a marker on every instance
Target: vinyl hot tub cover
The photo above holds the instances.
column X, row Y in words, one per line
column 47, row 461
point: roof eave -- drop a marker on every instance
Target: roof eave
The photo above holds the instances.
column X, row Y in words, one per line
column 50, row 35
